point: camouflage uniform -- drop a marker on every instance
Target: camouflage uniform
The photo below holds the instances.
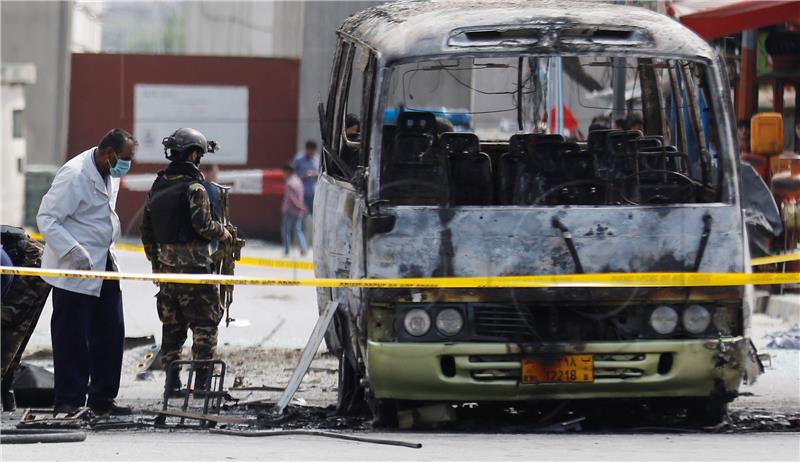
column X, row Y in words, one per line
column 185, row 306
column 21, row 308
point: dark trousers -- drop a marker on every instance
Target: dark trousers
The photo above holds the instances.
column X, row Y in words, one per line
column 88, row 334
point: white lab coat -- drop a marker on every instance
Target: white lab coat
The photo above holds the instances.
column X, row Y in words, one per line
column 79, row 208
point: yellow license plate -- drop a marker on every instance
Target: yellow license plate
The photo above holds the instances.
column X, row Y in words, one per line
column 558, row 369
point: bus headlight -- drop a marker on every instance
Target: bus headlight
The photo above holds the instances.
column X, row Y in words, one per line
column 449, row 321
column 664, row 319
column 696, row 319
column 417, row 322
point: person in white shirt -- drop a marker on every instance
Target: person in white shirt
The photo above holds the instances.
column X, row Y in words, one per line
column 79, row 225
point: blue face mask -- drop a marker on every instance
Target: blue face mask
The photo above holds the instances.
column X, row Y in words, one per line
column 121, row 169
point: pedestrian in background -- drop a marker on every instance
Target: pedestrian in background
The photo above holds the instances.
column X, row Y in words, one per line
column 307, row 167
column 79, row 225
column 293, row 208
column 599, row 122
column 211, row 174
column 635, row 121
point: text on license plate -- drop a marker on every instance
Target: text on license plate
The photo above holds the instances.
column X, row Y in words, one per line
column 558, row 369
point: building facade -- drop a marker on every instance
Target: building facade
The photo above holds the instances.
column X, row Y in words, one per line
column 13, row 163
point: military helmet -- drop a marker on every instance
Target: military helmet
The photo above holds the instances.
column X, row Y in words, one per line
column 185, row 138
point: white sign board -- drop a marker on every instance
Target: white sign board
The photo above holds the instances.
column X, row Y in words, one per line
column 219, row 112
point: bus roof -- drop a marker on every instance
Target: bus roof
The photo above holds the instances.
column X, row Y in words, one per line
column 408, row 29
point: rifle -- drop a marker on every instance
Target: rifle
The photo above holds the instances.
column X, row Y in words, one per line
column 228, row 252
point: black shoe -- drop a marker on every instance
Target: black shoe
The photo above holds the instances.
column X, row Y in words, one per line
column 68, row 409
column 8, row 398
column 9, row 401
column 110, row 408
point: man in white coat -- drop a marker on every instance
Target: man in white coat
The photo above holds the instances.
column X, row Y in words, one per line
column 79, row 225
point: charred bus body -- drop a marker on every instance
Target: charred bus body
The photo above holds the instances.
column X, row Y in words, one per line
column 517, row 189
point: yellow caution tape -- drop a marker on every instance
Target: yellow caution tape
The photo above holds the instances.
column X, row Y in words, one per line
column 776, row 259
column 247, row 261
column 276, row 263
column 537, row 281
column 309, row 266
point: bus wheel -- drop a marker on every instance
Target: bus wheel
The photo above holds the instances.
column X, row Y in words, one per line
column 706, row 411
column 350, row 398
column 384, row 412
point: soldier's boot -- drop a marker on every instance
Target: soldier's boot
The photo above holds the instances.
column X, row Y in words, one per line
column 173, row 385
column 204, row 342
column 8, row 398
column 202, row 380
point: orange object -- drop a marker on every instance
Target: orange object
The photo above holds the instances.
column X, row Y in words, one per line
column 788, row 162
column 557, row 369
column 766, row 133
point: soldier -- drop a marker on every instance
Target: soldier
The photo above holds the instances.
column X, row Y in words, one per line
column 177, row 229
column 22, row 303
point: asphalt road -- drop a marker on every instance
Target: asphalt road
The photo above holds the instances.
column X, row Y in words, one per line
column 435, row 446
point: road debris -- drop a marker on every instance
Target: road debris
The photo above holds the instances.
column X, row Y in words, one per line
column 341, row 436
column 787, row 340
column 432, row 416
column 201, row 417
column 31, row 436
column 206, row 379
column 45, row 418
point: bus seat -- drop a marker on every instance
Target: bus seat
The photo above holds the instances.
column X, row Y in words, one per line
column 470, row 169
column 417, row 172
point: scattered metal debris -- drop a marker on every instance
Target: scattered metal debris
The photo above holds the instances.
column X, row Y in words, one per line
column 45, row 418
column 135, row 342
column 327, row 370
column 426, row 416
column 149, row 359
column 567, row 425
column 204, row 418
column 30, row 436
column 103, row 424
column 205, row 380
column 262, row 388
column 760, row 421
column 360, row 439
column 307, row 356
column 787, row 340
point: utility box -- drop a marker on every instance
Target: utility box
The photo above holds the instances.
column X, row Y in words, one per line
column 38, row 179
column 766, row 133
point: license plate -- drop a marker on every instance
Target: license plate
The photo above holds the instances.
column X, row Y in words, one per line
column 558, row 369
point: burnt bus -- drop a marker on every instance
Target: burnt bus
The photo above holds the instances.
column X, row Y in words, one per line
column 592, row 139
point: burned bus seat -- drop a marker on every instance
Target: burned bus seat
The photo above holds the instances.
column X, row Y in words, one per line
column 620, row 152
column 470, row 169
column 663, row 158
column 658, row 176
column 416, row 172
column 574, row 172
column 531, row 160
column 596, row 144
column 511, row 168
